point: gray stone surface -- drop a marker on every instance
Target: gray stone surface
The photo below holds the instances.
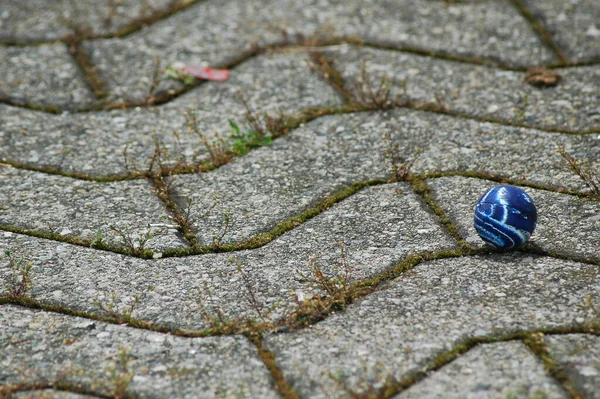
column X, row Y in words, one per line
column 39, row 20
column 93, row 143
column 579, row 356
column 501, row 370
column 49, row 394
column 378, row 227
column 572, row 25
column 42, row 75
column 401, row 329
column 566, row 224
column 274, row 183
column 479, row 91
column 42, row 346
column 213, row 33
column 70, row 207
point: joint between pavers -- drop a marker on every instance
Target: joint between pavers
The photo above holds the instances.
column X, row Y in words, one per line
column 541, row 31
column 268, row 358
column 8, row 390
column 537, row 345
column 507, row 180
column 78, row 241
column 420, row 187
column 81, row 59
column 133, row 26
column 164, row 191
column 393, row 387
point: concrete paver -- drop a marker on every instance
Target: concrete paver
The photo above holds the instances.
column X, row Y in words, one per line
column 476, row 90
column 566, row 224
column 61, row 205
column 573, row 25
column 378, row 227
column 398, row 331
column 107, row 358
column 313, row 273
column 505, row 369
column 580, row 357
column 45, row 75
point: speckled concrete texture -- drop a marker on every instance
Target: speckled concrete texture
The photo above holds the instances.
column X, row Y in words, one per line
column 573, row 25
column 502, row 370
column 38, row 20
column 477, row 90
column 398, row 331
column 566, row 224
column 579, row 355
column 213, row 33
column 377, row 227
column 45, row 75
column 286, row 233
column 53, row 347
column 94, row 142
column 120, row 212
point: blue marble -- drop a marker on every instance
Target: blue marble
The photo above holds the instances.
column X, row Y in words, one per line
column 505, row 217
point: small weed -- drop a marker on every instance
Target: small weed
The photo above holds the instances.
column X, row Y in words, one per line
column 243, row 142
column 592, row 311
column 97, row 241
column 120, row 376
column 110, row 307
column 337, row 289
column 154, row 82
column 178, row 74
column 217, row 147
column 20, row 280
column 399, row 166
column 213, row 315
column 135, row 243
column 588, row 174
column 370, row 96
column 249, row 293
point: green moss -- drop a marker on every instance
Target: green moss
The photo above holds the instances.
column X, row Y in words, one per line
column 536, row 343
column 268, row 358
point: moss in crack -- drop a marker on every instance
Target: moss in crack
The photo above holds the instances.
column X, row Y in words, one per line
column 421, row 188
column 536, row 343
column 19, row 282
column 540, row 29
column 268, row 359
column 73, row 41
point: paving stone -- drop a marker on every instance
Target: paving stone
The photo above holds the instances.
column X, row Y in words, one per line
column 476, row 90
column 572, row 25
column 49, row 394
column 579, row 356
column 401, row 329
column 212, row 33
column 42, row 75
column 280, row 181
column 378, row 227
column 93, row 143
column 79, row 208
column 566, row 224
column 277, row 182
column 39, row 20
column 50, row 347
column 500, row 370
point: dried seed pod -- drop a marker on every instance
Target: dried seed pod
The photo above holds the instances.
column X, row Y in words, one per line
column 541, row 77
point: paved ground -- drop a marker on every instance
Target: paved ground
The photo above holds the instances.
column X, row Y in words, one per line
column 261, row 237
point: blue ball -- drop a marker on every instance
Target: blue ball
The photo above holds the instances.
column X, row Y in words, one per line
column 505, row 217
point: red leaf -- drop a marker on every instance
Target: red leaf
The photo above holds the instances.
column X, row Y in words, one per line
column 219, row 75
